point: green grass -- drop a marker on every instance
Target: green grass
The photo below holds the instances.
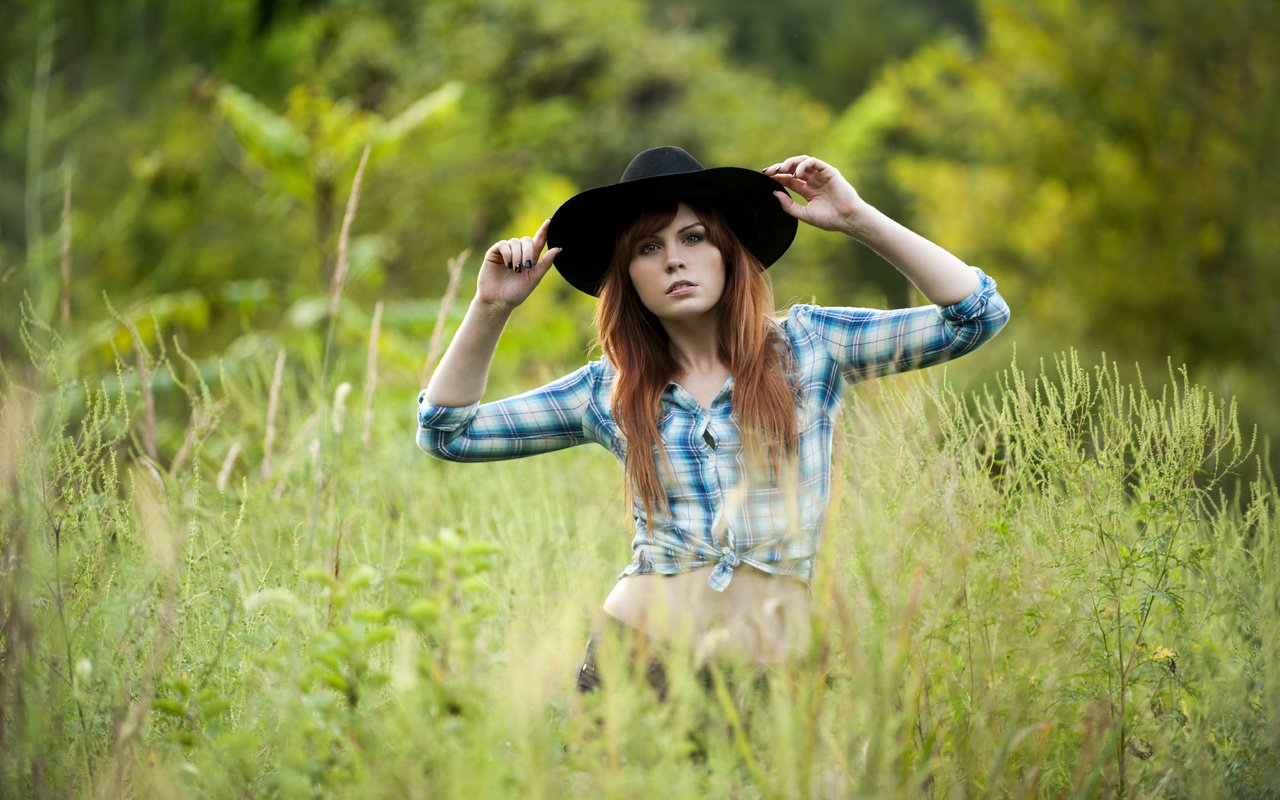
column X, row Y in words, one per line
column 1060, row 585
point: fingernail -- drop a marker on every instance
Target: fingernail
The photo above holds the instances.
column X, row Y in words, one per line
column 528, row 263
column 510, row 265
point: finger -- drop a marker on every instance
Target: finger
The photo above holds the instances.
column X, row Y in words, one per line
column 545, row 262
column 527, row 253
column 540, row 238
column 500, row 253
column 517, row 254
column 789, row 165
column 787, row 179
column 794, row 164
column 789, row 205
column 797, row 185
column 810, row 168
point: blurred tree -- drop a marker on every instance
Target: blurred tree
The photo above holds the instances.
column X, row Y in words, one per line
column 831, row 50
column 1113, row 159
column 171, row 190
column 303, row 154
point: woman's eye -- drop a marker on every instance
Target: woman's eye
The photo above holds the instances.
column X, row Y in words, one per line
column 694, row 238
column 647, row 248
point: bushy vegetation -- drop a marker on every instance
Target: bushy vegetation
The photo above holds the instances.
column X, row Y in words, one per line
column 1062, row 583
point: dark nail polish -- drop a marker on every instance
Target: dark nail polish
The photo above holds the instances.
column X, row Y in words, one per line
column 510, row 265
column 528, row 262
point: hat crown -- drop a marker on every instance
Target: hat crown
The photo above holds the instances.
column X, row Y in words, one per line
column 660, row 161
column 586, row 226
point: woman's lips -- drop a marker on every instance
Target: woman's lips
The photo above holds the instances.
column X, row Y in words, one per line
column 681, row 287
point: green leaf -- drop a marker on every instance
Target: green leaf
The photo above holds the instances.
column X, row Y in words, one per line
column 434, row 105
column 168, row 705
column 214, row 708
column 335, row 680
column 265, row 134
column 423, row 611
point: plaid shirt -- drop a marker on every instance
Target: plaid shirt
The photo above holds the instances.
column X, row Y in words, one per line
column 718, row 513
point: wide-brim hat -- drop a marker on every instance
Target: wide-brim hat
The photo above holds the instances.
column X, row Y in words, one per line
column 587, row 225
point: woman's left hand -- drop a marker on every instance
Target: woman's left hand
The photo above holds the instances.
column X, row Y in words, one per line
column 831, row 201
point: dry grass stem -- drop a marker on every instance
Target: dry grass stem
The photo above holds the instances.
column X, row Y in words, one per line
column 228, row 463
column 273, row 403
column 446, row 302
column 344, row 237
column 371, row 374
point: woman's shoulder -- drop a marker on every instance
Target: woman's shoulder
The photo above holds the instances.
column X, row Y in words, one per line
column 803, row 320
column 602, row 369
column 594, row 371
column 600, row 374
column 798, row 321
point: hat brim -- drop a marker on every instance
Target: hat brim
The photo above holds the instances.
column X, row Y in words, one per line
column 587, row 225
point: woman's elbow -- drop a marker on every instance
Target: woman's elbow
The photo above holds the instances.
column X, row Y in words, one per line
column 439, row 444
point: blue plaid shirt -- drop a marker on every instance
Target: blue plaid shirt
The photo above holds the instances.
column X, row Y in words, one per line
column 718, row 513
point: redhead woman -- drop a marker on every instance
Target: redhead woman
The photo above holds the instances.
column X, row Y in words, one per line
column 720, row 411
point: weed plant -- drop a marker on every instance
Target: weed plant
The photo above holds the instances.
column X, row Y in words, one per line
column 1064, row 585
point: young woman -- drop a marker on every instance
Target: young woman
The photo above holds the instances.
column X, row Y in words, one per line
column 721, row 414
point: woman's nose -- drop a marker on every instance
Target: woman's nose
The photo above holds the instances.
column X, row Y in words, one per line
column 673, row 263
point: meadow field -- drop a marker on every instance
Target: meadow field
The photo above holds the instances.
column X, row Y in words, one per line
column 1062, row 583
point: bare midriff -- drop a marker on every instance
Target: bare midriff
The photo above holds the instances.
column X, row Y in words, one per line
column 760, row 617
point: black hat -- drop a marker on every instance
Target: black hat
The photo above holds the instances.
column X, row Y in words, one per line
column 587, row 225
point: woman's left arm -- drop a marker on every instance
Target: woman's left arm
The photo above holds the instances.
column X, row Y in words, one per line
column 831, row 203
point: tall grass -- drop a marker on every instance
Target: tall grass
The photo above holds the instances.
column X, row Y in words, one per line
column 1062, row 585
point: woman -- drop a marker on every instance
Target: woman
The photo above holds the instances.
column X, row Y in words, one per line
column 721, row 414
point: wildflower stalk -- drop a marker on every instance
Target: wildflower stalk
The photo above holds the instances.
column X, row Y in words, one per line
column 342, row 264
column 273, row 403
column 338, row 417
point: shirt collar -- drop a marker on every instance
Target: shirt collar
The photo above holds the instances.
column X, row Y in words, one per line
column 678, row 396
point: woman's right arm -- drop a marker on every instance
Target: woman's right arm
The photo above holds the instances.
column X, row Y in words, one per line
column 510, row 271
column 452, row 424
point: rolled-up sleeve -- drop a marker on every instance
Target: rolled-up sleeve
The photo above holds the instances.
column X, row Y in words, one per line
column 868, row 343
column 548, row 418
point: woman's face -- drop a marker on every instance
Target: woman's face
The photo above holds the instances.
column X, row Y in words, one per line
column 677, row 272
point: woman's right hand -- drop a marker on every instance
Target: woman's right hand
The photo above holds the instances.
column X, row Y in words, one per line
column 512, row 267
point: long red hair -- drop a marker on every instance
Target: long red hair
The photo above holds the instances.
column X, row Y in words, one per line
column 637, row 345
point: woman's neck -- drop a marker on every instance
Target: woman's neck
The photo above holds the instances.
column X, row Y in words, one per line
column 695, row 345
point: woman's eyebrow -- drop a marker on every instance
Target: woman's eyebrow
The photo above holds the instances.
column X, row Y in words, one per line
column 691, row 225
